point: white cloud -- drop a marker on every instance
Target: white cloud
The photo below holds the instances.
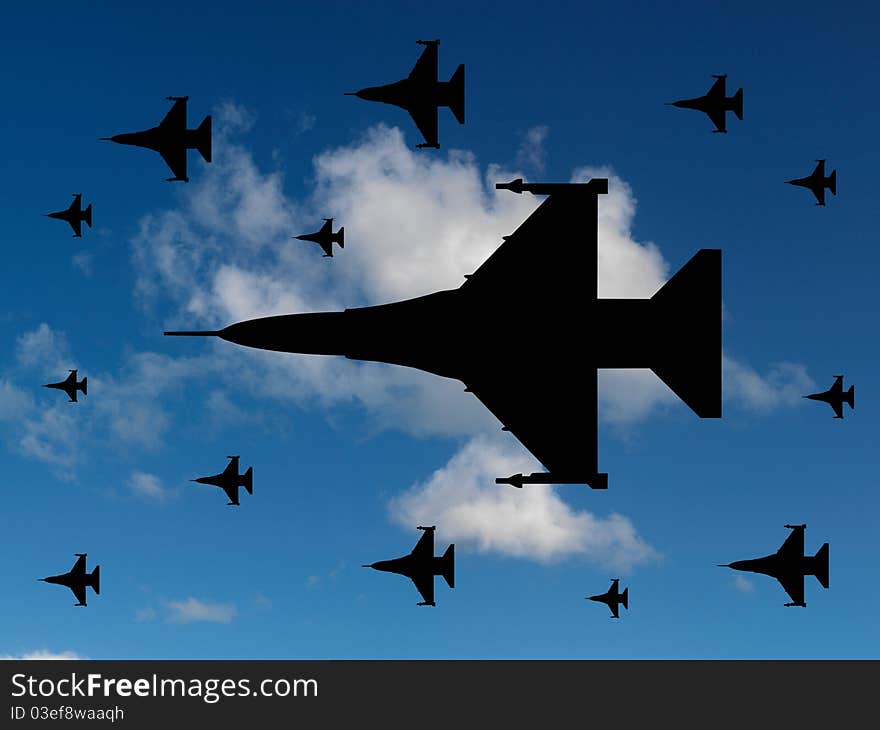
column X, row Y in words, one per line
column 44, row 350
column 84, row 262
column 148, row 486
column 531, row 153
column 783, row 385
column 192, row 609
column 533, row 522
column 743, row 584
column 42, row 654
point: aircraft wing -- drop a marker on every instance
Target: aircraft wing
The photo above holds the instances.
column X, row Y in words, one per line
column 837, row 405
column 425, row 70
column 719, row 88
column 176, row 116
column 76, row 205
column 231, row 468
column 793, row 547
column 793, row 584
column 79, row 567
column 231, row 492
column 719, row 118
column 80, row 592
column 175, row 158
column 327, row 228
column 819, row 192
column 545, row 397
column 615, row 609
column 76, row 225
column 327, row 245
column 424, row 549
column 424, row 582
column 425, row 118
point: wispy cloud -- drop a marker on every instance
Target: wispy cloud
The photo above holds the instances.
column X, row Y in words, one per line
column 192, row 610
column 42, row 654
column 531, row 523
column 148, row 486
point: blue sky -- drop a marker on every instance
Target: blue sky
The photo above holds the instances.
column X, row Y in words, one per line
column 349, row 458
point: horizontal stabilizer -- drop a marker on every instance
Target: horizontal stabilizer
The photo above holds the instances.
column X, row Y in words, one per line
column 687, row 355
column 832, row 182
column 203, row 138
column 447, row 565
column 456, row 94
column 247, row 480
column 624, row 598
column 850, row 397
column 87, row 215
column 340, row 237
column 95, row 579
column 820, row 565
column 737, row 107
column 84, row 385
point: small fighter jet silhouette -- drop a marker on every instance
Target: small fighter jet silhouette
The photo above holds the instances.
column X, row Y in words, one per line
column 420, row 566
column 78, row 580
column 612, row 598
column 172, row 139
column 715, row 104
column 835, row 397
column 817, row 182
column 230, row 480
column 70, row 386
column 789, row 565
column 325, row 238
column 421, row 94
column 75, row 215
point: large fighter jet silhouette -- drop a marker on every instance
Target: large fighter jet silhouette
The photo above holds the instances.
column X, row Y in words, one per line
column 816, row 182
column 789, row 565
column 325, row 238
column 613, row 598
column 835, row 397
column 172, row 139
column 420, row 566
column 70, row 386
column 78, row 580
column 75, row 215
column 527, row 332
column 229, row 480
column 421, row 94
column 715, row 104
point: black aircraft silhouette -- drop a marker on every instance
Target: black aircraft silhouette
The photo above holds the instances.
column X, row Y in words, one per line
column 789, row 565
column 172, row 139
column 715, row 104
column 613, row 598
column 420, row 566
column 817, row 182
column 421, row 94
column 835, row 397
column 541, row 385
column 70, row 386
column 75, row 215
column 325, row 238
column 230, row 480
column 78, row 580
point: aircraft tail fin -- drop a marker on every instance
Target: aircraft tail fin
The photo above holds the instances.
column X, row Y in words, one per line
column 687, row 349
column 95, row 579
column 831, row 183
column 820, row 565
column 84, row 386
column 737, row 104
column 850, row 397
column 340, row 237
column 456, row 94
column 447, row 565
column 248, row 480
column 203, row 138
column 87, row 215
column 624, row 598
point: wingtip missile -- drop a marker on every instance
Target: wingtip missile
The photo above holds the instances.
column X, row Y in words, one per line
column 516, row 480
column 193, row 333
column 515, row 185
